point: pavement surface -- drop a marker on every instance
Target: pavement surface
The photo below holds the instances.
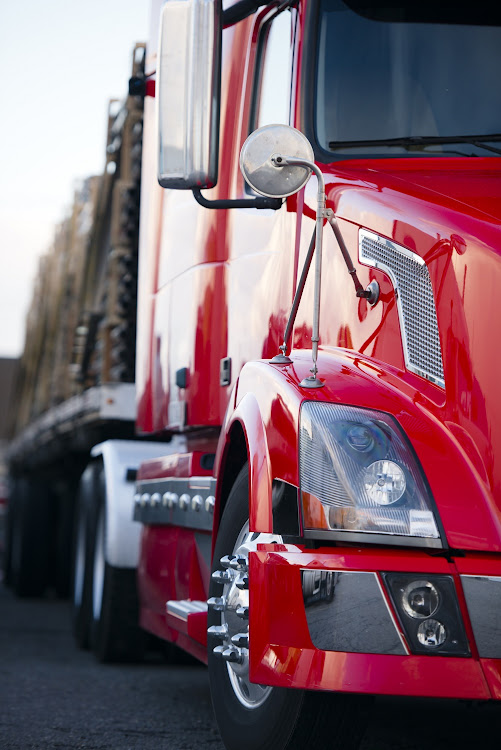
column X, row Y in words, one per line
column 55, row 696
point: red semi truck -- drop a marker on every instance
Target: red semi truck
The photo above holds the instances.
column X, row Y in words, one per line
column 315, row 477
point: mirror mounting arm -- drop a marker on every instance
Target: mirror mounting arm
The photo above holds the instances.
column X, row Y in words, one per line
column 371, row 293
column 283, row 358
column 259, row 202
column 281, row 161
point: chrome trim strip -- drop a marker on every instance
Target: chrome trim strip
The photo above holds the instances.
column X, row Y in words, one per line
column 483, row 599
column 187, row 502
column 368, row 537
column 393, row 618
column 356, row 619
column 416, row 306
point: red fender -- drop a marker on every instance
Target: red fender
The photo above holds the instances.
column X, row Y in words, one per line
column 267, row 404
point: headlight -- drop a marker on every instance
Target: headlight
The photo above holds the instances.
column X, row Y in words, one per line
column 359, row 475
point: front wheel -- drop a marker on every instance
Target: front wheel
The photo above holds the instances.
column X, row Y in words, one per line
column 251, row 716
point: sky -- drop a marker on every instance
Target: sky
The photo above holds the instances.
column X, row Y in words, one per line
column 61, row 63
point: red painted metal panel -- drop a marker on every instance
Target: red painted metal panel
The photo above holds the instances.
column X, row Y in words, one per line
column 171, row 567
column 179, row 465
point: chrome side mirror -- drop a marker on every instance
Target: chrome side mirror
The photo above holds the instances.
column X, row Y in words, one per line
column 262, row 160
column 188, row 85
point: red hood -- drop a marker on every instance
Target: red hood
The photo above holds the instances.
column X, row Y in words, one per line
column 467, row 186
column 448, row 211
column 474, row 182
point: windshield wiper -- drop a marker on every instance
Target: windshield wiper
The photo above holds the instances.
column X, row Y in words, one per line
column 425, row 140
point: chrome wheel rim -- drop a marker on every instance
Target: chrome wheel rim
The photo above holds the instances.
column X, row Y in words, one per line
column 235, row 597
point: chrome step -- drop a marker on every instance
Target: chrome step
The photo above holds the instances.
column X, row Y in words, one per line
column 183, row 608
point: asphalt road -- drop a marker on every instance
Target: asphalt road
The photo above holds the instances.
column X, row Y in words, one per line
column 54, row 696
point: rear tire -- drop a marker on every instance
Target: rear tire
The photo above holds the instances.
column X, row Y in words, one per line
column 274, row 718
column 29, row 538
column 115, row 632
column 83, row 555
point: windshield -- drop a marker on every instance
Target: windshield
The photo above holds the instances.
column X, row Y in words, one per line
column 379, row 80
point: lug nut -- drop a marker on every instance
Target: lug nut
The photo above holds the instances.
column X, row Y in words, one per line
column 242, row 582
column 222, row 576
column 241, row 640
column 218, row 631
column 233, row 655
column 226, row 561
column 217, row 603
column 239, row 562
column 242, row 612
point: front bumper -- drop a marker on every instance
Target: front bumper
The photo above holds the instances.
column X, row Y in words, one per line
column 352, row 640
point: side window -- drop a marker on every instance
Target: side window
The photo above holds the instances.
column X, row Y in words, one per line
column 272, row 86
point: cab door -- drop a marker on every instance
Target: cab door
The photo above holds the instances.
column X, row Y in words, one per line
column 262, row 253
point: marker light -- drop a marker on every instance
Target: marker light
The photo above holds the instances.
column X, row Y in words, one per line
column 358, row 474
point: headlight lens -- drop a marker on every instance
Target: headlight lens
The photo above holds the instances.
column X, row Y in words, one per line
column 384, row 482
column 358, row 474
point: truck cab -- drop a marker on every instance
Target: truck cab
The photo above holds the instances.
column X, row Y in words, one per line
column 313, row 326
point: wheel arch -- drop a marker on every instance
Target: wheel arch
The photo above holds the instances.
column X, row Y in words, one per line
column 122, row 533
column 244, row 440
column 121, row 460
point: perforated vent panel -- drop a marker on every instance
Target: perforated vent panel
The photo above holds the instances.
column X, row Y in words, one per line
column 415, row 302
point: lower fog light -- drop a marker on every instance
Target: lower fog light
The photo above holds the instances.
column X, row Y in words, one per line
column 431, row 633
column 420, row 599
column 428, row 610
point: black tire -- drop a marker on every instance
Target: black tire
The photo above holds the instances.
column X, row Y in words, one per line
column 115, row 632
column 83, row 555
column 29, row 538
column 286, row 719
column 6, row 560
column 330, row 586
column 61, row 572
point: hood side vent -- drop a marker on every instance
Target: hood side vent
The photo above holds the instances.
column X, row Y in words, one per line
column 415, row 303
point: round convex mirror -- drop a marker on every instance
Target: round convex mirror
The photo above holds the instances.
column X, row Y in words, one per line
column 262, row 174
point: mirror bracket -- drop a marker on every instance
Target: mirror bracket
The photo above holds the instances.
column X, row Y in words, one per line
column 258, row 202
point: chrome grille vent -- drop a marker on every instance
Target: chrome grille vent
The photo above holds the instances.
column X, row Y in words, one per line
column 415, row 302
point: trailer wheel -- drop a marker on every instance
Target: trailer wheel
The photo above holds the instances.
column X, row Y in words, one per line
column 250, row 715
column 115, row 632
column 29, row 542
